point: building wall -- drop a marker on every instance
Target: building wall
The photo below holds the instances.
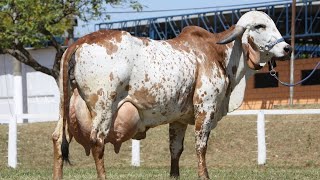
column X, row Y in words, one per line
column 40, row 91
column 267, row 98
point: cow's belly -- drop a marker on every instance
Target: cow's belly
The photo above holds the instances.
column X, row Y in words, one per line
column 159, row 106
column 167, row 114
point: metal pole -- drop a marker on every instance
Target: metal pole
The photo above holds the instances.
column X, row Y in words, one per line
column 293, row 17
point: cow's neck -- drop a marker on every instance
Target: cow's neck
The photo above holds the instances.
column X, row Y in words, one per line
column 236, row 63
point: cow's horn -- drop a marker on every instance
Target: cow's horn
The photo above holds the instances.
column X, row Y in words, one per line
column 237, row 31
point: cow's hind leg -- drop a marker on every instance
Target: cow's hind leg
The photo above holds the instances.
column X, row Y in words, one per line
column 57, row 154
column 176, row 132
column 98, row 155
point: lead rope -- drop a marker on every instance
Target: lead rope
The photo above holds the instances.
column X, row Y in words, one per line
column 273, row 73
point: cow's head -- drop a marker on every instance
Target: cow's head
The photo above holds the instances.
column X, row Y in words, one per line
column 261, row 39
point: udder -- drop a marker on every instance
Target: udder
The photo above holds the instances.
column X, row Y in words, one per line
column 80, row 121
column 126, row 125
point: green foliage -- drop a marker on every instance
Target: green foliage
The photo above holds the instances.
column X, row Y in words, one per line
column 38, row 21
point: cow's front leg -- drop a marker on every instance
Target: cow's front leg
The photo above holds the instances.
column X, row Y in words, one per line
column 203, row 125
column 176, row 132
column 98, row 156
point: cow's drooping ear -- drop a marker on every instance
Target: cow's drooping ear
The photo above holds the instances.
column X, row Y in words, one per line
column 252, row 54
column 237, row 31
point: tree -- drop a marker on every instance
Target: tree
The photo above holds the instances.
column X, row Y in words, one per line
column 34, row 22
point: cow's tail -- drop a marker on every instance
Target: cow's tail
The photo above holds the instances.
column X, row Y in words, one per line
column 64, row 98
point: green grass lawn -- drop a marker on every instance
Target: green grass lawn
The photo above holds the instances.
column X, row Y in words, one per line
column 147, row 173
column 293, row 152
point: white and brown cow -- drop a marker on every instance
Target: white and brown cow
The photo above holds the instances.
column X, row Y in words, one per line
column 120, row 85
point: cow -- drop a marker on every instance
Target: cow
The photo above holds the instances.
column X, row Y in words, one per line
column 114, row 86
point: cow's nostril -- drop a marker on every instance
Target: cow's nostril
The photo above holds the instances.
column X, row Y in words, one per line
column 287, row 49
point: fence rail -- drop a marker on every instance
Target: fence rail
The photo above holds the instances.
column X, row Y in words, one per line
column 135, row 161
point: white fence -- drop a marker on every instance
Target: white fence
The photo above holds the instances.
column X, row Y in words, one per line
column 135, row 161
column 261, row 139
column 12, row 139
column 33, row 92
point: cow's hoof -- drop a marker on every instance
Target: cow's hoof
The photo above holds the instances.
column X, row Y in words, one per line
column 174, row 176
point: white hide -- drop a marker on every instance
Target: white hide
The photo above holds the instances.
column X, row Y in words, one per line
column 168, row 75
column 262, row 36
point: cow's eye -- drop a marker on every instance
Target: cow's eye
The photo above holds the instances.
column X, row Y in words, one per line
column 259, row 26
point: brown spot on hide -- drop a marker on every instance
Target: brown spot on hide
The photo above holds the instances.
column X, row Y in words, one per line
column 112, row 48
column 100, row 92
column 111, row 77
column 252, row 54
column 197, row 99
column 93, row 98
column 179, row 45
column 145, row 41
column 113, row 95
column 199, row 120
column 106, row 38
column 93, row 114
column 212, row 115
column 146, row 78
column 145, row 98
column 85, row 87
column 127, row 88
column 204, row 45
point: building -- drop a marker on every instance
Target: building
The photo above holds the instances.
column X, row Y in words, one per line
column 263, row 91
column 40, row 91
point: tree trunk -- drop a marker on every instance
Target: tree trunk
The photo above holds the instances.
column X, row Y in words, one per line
column 23, row 55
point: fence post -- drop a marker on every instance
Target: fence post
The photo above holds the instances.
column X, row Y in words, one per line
column 135, row 151
column 17, row 90
column 12, row 143
column 262, row 149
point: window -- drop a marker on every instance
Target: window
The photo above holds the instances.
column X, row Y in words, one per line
column 265, row 80
column 313, row 80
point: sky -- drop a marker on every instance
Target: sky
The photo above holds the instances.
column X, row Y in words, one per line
column 87, row 27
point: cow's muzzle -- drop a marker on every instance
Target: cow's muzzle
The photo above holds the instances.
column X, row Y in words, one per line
column 287, row 50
